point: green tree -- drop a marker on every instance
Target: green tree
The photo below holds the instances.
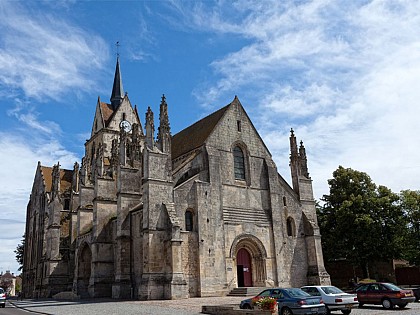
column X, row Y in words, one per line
column 359, row 221
column 410, row 204
column 19, row 252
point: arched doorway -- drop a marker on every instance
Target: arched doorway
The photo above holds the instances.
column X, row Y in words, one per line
column 83, row 271
column 244, row 268
column 249, row 257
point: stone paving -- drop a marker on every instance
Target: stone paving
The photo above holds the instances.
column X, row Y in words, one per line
column 190, row 306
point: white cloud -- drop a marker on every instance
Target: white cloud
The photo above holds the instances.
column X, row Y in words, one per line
column 9, row 244
column 26, row 114
column 44, row 56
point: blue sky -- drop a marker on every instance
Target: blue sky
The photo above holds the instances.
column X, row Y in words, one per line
column 345, row 75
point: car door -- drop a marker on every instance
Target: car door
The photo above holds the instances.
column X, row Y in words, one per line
column 362, row 293
column 375, row 293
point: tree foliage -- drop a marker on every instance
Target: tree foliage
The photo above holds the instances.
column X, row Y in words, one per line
column 360, row 221
column 410, row 204
column 19, row 252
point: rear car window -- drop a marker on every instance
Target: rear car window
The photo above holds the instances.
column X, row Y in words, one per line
column 312, row 291
column 293, row 292
column 331, row 290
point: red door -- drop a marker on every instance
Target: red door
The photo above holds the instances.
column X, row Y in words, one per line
column 243, row 267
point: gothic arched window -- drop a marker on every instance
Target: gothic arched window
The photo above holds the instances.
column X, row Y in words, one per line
column 239, row 163
column 290, row 227
column 188, row 220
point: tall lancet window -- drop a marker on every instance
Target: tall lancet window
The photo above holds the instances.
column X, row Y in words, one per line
column 239, row 163
column 189, row 220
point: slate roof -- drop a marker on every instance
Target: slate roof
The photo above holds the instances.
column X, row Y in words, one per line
column 195, row 135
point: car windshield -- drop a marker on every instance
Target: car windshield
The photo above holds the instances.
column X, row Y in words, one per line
column 331, row 290
column 265, row 293
column 392, row 287
column 294, row 292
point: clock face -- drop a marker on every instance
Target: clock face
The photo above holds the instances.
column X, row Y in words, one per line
column 125, row 125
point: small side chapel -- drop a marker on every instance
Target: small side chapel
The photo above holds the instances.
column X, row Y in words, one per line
column 150, row 215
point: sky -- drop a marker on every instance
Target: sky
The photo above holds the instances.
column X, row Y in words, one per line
column 345, row 75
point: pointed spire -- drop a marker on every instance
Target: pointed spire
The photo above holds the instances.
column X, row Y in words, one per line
column 293, row 145
column 117, row 89
column 55, row 189
column 164, row 130
column 150, row 128
column 294, row 161
column 303, row 161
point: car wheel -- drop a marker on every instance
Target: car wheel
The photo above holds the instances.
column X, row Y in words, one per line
column 346, row 312
column 327, row 310
column 247, row 307
column 360, row 305
column 387, row 304
column 286, row 311
column 402, row 305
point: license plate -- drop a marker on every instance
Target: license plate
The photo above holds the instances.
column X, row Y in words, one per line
column 349, row 305
column 314, row 309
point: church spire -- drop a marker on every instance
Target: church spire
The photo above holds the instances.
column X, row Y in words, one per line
column 117, row 89
column 294, row 161
column 303, row 163
column 164, row 130
column 150, row 128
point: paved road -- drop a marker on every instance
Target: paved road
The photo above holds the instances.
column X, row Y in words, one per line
column 12, row 310
column 190, row 306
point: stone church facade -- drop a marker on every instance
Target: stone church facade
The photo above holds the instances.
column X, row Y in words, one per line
column 167, row 217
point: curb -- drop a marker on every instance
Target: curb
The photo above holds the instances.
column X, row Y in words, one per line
column 24, row 308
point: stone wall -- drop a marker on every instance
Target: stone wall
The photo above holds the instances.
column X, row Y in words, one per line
column 190, row 262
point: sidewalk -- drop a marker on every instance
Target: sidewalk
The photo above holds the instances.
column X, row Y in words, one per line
column 190, row 306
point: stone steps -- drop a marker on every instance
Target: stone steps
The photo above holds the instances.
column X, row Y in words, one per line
column 246, row 291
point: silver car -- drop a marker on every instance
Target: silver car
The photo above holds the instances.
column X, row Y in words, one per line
column 333, row 297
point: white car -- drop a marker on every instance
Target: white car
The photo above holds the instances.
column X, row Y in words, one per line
column 334, row 298
column 2, row 298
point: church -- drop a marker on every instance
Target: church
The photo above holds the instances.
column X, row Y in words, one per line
column 151, row 215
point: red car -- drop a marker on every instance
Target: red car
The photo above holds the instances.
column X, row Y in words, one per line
column 387, row 294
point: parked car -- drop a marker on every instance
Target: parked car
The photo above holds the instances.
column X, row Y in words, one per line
column 334, row 298
column 2, row 298
column 384, row 293
column 291, row 301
